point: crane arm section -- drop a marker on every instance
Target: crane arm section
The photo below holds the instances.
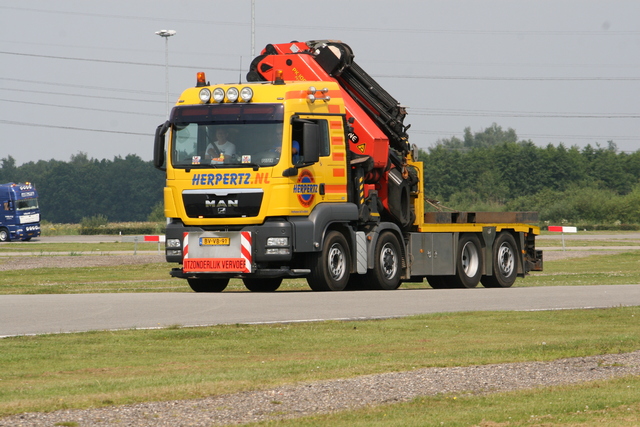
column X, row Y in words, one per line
column 335, row 63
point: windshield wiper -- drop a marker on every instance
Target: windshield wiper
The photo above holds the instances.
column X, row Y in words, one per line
column 255, row 166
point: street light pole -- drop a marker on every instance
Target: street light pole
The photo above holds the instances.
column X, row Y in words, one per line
column 253, row 28
column 166, row 34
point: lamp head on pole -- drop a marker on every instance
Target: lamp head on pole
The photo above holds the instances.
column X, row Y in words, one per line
column 166, row 33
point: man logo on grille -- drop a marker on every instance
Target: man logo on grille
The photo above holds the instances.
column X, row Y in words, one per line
column 221, row 203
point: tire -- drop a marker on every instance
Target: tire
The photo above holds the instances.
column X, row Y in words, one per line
column 387, row 266
column 357, row 282
column 263, row 285
column 330, row 268
column 208, row 285
column 505, row 262
column 439, row 282
column 4, row 235
column 468, row 262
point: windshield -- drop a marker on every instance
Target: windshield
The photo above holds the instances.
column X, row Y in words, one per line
column 26, row 204
column 199, row 144
column 220, row 135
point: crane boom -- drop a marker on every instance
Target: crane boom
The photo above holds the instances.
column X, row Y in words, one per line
column 335, row 61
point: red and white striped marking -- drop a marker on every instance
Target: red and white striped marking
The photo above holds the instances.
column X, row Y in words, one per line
column 159, row 239
column 185, row 244
column 563, row 229
column 245, row 251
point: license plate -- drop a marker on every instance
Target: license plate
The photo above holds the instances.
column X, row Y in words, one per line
column 215, row 241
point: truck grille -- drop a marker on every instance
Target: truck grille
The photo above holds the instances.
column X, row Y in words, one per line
column 219, row 204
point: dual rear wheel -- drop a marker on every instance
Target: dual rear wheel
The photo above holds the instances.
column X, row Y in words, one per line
column 505, row 263
column 331, row 268
column 469, row 264
column 387, row 266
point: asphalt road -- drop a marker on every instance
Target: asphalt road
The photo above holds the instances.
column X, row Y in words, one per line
column 628, row 236
column 38, row 314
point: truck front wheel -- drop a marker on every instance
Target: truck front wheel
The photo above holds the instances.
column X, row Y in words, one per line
column 4, row 235
column 330, row 267
column 468, row 262
column 439, row 282
column 386, row 271
column 208, row 285
column 262, row 285
column 505, row 262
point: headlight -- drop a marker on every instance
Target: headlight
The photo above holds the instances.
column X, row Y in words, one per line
column 232, row 94
column 173, row 243
column 278, row 241
column 277, row 251
column 246, row 94
column 218, row 94
column 205, row 95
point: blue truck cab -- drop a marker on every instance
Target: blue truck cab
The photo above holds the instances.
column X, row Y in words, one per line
column 19, row 212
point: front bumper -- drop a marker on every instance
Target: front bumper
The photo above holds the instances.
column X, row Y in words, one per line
column 264, row 250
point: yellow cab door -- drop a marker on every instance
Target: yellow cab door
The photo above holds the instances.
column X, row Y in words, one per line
column 326, row 180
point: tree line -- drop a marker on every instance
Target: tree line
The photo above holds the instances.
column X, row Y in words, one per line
column 122, row 190
column 492, row 170
column 489, row 170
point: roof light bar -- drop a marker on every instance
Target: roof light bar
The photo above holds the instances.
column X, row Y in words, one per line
column 218, row 95
column 205, row 95
column 232, row 94
column 246, row 94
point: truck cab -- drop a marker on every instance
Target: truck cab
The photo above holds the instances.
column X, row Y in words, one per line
column 19, row 212
column 288, row 163
column 306, row 171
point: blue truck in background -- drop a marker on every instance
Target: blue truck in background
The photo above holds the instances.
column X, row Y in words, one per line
column 19, row 212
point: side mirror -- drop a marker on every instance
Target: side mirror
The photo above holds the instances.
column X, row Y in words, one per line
column 310, row 141
column 159, row 146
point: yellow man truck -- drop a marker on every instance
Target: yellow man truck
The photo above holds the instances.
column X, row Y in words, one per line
column 306, row 171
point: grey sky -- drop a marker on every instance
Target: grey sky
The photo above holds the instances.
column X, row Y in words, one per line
column 88, row 76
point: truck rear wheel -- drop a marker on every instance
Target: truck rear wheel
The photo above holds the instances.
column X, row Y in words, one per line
column 386, row 265
column 330, row 267
column 505, row 263
column 262, row 285
column 4, row 235
column 439, row 282
column 468, row 262
column 208, row 285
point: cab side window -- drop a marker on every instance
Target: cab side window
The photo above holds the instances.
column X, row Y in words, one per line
column 325, row 145
column 324, row 142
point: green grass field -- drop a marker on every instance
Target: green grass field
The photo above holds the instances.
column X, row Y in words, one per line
column 102, row 248
column 621, row 268
column 48, row 372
